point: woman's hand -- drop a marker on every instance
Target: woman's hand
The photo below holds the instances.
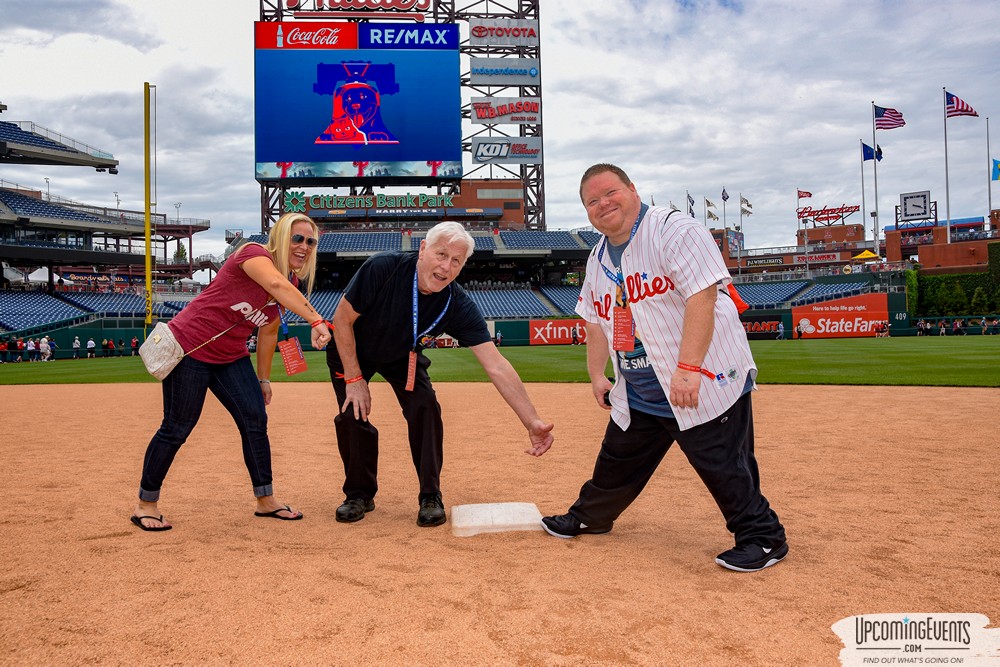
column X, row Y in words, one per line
column 321, row 335
column 265, row 390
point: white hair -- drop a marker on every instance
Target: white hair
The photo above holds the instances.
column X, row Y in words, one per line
column 447, row 232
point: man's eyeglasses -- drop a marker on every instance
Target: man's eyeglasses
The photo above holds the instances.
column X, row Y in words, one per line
column 308, row 240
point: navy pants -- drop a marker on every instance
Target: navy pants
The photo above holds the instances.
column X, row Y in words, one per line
column 358, row 440
column 720, row 451
column 184, row 390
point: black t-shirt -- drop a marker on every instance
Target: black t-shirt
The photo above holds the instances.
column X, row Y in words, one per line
column 382, row 294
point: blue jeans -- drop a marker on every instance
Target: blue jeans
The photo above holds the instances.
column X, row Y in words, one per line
column 235, row 385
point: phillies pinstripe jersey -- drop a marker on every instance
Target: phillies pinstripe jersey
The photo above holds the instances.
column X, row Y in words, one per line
column 665, row 263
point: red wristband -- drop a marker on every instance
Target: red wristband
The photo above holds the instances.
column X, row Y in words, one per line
column 696, row 369
column 319, row 322
column 353, row 380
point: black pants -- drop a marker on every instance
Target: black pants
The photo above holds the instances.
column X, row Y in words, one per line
column 720, row 451
column 358, row 440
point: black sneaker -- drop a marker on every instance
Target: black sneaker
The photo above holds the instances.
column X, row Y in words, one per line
column 566, row 526
column 354, row 509
column 431, row 512
column 751, row 557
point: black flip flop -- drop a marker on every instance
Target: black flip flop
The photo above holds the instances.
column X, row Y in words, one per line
column 137, row 520
column 275, row 515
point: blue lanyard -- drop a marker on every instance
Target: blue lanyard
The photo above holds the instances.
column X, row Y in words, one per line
column 617, row 278
column 416, row 336
column 283, row 314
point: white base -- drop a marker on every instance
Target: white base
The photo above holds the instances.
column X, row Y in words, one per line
column 467, row 520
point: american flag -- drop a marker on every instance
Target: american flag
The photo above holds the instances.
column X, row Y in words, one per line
column 803, row 194
column 956, row 106
column 887, row 119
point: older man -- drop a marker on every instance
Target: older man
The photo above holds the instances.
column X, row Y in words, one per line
column 394, row 305
column 656, row 300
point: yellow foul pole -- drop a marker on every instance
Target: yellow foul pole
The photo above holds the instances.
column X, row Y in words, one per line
column 149, row 241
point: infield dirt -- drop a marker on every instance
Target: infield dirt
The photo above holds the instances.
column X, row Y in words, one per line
column 889, row 497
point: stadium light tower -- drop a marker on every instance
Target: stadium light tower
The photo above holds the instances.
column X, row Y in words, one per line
column 177, row 205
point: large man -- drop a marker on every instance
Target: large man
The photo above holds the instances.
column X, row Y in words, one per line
column 394, row 305
column 655, row 298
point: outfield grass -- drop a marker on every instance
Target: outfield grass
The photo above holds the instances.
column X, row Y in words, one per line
column 969, row 361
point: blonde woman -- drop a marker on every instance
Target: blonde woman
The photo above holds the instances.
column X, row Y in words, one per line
column 247, row 293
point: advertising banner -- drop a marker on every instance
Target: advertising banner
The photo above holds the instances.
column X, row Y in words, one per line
column 765, row 261
column 852, row 317
column 556, row 332
column 504, row 72
column 762, row 327
column 356, row 100
column 507, row 150
column 817, row 258
column 503, row 32
column 506, row 110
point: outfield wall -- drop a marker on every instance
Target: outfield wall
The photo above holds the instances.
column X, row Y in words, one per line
column 850, row 317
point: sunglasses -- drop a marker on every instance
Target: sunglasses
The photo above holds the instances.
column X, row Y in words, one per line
column 308, row 240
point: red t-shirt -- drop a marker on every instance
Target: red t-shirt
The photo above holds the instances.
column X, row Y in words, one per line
column 226, row 301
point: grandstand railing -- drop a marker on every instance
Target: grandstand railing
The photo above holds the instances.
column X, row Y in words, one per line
column 28, row 126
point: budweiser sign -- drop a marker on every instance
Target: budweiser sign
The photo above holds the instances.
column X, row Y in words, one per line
column 826, row 213
column 355, row 5
column 320, row 37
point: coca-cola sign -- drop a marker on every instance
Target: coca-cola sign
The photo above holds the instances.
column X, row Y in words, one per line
column 306, row 35
column 321, row 37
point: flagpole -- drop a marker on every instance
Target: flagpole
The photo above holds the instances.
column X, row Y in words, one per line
column 875, row 167
column 947, row 192
column 989, row 173
column 863, row 207
column 740, row 240
column 805, row 230
column 724, row 208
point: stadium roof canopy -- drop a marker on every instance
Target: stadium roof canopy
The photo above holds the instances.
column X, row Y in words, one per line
column 24, row 142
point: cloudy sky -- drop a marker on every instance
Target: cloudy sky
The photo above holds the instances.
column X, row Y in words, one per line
column 762, row 98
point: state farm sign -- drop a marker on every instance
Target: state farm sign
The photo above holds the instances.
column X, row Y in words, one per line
column 503, row 32
column 506, row 110
column 853, row 317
